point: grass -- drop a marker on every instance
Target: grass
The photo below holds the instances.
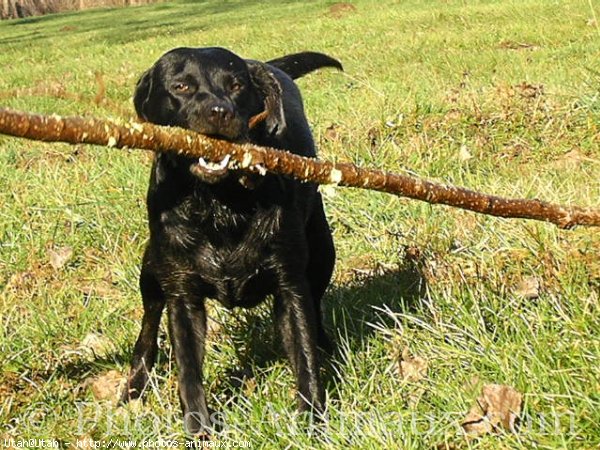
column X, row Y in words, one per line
column 502, row 97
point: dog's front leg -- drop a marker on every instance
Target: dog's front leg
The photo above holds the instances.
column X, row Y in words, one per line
column 146, row 346
column 296, row 319
column 187, row 328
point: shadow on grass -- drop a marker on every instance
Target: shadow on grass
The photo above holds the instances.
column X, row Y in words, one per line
column 117, row 26
column 125, row 25
column 350, row 311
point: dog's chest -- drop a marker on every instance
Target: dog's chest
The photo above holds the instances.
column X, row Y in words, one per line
column 231, row 252
column 242, row 275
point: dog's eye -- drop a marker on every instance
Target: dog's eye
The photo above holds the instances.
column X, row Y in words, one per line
column 236, row 87
column 181, row 87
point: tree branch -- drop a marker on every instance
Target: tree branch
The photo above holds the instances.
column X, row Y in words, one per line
column 77, row 130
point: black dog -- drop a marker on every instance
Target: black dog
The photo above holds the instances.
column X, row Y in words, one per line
column 217, row 233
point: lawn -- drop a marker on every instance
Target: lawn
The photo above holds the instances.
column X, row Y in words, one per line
column 498, row 96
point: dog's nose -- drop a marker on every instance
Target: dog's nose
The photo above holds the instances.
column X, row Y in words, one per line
column 220, row 114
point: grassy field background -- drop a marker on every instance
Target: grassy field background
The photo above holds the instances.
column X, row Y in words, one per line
column 499, row 96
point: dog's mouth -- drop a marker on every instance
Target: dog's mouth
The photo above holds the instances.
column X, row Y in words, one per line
column 211, row 172
column 214, row 167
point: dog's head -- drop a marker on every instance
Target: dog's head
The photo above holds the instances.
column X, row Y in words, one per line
column 211, row 91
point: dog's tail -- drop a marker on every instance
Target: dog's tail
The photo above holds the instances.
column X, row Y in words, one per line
column 299, row 64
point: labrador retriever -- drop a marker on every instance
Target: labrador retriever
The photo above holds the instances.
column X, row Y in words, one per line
column 222, row 234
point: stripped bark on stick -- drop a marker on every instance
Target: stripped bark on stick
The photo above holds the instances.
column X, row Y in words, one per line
column 77, row 130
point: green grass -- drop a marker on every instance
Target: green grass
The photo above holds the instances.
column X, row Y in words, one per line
column 515, row 83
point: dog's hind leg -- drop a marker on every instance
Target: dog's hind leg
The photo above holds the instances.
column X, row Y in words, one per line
column 296, row 320
column 146, row 347
column 187, row 330
column 320, row 266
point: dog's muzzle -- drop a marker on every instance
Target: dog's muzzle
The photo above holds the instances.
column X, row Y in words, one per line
column 210, row 172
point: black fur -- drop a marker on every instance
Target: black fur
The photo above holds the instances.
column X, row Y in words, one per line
column 300, row 64
column 213, row 235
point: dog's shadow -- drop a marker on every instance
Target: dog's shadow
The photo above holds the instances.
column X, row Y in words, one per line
column 353, row 311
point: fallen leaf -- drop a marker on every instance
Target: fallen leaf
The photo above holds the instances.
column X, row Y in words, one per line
column 528, row 288
column 107, row 386
column 412, row 368
column 374, row 136
column 528, row 90
column 574, row 156
column 59, row 257
column 412, row 253
column 98, row 288
column 572, row 159
column 96, row 345
column 331, row 133
column 21, row 281
column 464, row 154
column 453, row 115
column 338, row 10
column 497, row 407
column 512, row 45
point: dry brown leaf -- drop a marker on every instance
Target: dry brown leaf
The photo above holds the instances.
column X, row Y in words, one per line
column 512, row 45
column 59, row 256
column 96, row 345
column 107, row 386
column 338, row 10
column 529, row 90
column 528, row 288
column 374, row 136
column 99, row 288
column 412, row 368
column 21, row 281
column 573, row 159
column 497, row 407
column 332, row 133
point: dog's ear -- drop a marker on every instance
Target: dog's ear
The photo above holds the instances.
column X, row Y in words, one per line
column 143, row 94
column 270, row 90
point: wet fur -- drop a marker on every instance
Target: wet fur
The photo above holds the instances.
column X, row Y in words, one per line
column 217, row 238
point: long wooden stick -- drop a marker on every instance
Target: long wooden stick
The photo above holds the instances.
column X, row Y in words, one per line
column 77, row 130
